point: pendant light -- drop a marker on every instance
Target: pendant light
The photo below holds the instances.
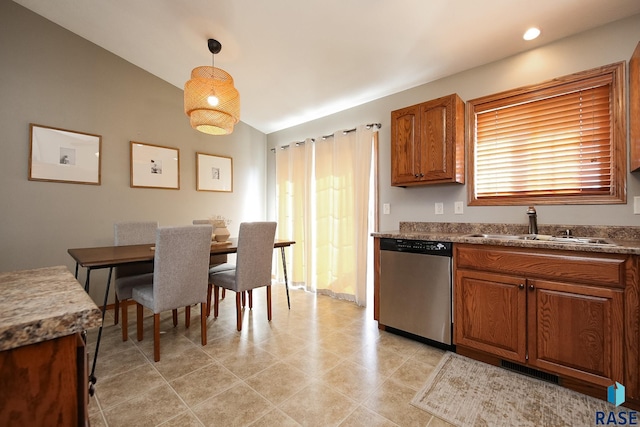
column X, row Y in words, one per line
column 210, row 99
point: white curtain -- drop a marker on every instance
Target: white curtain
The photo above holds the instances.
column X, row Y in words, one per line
column 323, row 196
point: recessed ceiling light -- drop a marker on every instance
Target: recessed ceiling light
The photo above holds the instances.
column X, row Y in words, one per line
column 531, row 33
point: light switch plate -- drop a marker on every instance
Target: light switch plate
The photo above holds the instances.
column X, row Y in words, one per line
column 458, row 208
column 386, row 208
column 439, row 208
column 636, row 205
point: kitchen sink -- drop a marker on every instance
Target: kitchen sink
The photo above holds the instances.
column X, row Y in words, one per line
column 540, row 237
column 584, row 240
column 504, row 236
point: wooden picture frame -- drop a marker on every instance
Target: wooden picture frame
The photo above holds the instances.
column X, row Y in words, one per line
column 214, row 173
column 61, row 155
column 154, row 166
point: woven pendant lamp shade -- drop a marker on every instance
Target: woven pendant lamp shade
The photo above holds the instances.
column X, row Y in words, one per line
column 206, row 81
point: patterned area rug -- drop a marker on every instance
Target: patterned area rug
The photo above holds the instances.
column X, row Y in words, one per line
column 465, row 392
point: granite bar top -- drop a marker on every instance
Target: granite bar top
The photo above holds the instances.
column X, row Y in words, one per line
column 625, row 240
column 43, row 304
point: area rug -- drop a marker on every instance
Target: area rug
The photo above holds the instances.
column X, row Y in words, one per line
column 465, row 392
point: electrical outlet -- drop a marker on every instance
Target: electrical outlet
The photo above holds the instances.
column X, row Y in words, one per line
column 439, row 208
column 386, row 208
column 457, row 208
column 636, row 205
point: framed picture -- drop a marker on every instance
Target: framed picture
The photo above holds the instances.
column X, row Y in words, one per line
column 154, row 166
column 61, row 155
column 214, row 173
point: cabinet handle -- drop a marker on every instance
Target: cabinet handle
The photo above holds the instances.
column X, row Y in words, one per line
column 521, row 286
column 531, row 287
column 417, row 176
column 421, row 175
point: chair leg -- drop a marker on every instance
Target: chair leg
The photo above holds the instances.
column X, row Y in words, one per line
column 125, row 319
column 239, row 310
column 209, row 299
column 250, row 293
column 269, row 302
column 203, row 323
column 156, row 337
column 216, row 300
column 224, row 293
column 244, row 299
column 116, row 311
column 187, row 316
column 175, row 317
column 139, row 316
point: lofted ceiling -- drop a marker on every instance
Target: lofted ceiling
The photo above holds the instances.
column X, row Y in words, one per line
column 298, row 60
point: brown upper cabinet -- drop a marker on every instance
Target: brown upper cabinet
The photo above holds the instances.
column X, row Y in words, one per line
column 427, row 143
column 634, row 110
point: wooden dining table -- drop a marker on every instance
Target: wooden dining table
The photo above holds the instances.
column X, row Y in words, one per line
column 114, row 256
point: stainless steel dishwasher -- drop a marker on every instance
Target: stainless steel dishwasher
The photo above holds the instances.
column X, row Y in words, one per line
column 416, row 288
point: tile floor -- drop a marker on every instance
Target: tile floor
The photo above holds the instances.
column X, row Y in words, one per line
column 322, row 363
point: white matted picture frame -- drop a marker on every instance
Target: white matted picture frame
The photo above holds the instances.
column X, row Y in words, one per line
column 214, row 173
column 61, row 155
column 154, row 166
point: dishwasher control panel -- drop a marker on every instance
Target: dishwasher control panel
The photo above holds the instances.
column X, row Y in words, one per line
column 417, row 246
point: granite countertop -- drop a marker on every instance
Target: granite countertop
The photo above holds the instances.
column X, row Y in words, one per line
column 43, row 304
column 625, row 240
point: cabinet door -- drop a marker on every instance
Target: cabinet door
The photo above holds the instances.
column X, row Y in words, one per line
column 491, row 313
column 634, row 110
column 576, row 330
column 405, row 157
column 436, row 157
column 38, row 384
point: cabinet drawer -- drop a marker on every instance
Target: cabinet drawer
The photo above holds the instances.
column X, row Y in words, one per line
column 581, row 267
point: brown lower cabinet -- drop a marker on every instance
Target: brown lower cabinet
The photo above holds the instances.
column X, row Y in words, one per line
column 570, row 314
column 45, row 384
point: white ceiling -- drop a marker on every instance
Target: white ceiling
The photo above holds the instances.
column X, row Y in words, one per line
column 297, row 60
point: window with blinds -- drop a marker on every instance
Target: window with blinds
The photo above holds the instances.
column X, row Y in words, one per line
column 560, row 142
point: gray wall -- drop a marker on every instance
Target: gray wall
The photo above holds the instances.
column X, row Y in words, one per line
column 611, row 43
column 52, row 77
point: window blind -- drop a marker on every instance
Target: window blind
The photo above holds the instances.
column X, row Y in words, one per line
column 556, row 142
column 561, row 144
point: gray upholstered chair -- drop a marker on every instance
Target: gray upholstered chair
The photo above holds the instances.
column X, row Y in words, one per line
column 217, row 264
column 253, row 266
column 180, row 278
column 128, row 276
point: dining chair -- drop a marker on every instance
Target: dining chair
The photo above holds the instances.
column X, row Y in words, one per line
column 130, row 275
column 252, row 268
column 217, row 264
column 180, row 278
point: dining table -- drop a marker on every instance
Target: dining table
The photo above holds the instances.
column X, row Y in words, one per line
column 114, row 256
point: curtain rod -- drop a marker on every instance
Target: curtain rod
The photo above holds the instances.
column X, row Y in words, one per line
column 368, row 126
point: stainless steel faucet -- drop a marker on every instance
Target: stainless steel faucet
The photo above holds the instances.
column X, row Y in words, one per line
column 533, row 220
